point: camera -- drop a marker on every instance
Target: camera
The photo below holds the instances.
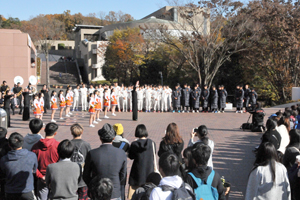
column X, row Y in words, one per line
column 195, row 130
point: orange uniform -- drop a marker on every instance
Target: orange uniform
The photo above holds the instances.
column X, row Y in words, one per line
column 69, row 99
column 98, row 103
column 92, row 105
column 54, row 103
column 114, row 101
column 106, row 100
column 62, row 101
column 36, row 107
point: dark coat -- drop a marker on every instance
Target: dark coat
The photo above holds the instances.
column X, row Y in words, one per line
column 273, row 137
column 46, row 98
column 134, row 104
column 106, row 161
column 239, row 96
column 185, row 97
column 205, row 98
column 177, row 95
column 222, row 98
column 141, row 152
column 196, row 97
column 290, row 157
column 253, row 98
column 247, row 93
column 171, row 148
column 214, row 99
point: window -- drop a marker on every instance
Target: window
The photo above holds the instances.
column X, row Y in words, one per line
column 91, row 37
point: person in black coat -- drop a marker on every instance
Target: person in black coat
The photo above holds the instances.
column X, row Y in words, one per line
column 196, row 98
column 141, row 152
column 253, row 97
column 106, row 161
column 4, row 87
column 222, row 98
column 205, row 97
column 239, row 97
column 214, row 99
column 185, row 98
column 7, row 99
column 247, row 92
column 45, row 91
column 26, row 97
column 14, row 103
column 176, row 99
column 134, row 103
column 18, row 90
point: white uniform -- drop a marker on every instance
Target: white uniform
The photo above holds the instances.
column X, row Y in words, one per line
column 75, row 99
column 117, row 93
column 140, row 97
column 83, row 93
column 148, row 94
column 155, row 99
column 91, row 90
column 129, row 99
column 169, row 99
column 164, row 100
column 159, row 98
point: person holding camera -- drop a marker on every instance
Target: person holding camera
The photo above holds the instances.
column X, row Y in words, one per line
column 258, row 115
column 201, row 132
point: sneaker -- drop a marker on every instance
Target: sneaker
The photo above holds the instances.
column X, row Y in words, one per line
column 113, row 114
column 173, row 111
column 183, row 111
column 188, row 111
column 158, row 111
column 99, row 120
column 53, row 120
column 193, row 111
column 217, row 111
column 197, row 111
column 44, row 124
column 95, row 122
column 70, row 113
column 178, row 111
column 154, row 111
column 130, row 110
column 61, row 118
column 237, row 111
column 68, row 116
column 241, row 111
column 212, row 111
column 91, row 125
column 106, row 117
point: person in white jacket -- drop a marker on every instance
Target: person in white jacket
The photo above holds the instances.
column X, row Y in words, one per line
column 76, row 98
column 164, row 99
column 83, row 94
column 124, row 101
column 155, row 100
column 140, row 97
column 129, row 98
column 148, row 95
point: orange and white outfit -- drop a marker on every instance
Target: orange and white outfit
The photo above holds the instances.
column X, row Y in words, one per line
column 36, row 107
column 62, row 101
column 42, row 103
column 72, row 96
column 98, row 103
column 69, row 99
column 54, row 103
column 114, row 101
column 92, row 105
column 106, row 99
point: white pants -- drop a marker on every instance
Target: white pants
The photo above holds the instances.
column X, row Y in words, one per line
column 129, row 103
column 75, row 103
column 164, row 106
column 158, row 103
column 140, row 104
column 124, row 104
column 169, row 102
column 155, row 105
column 148, row 103
column 83, row 102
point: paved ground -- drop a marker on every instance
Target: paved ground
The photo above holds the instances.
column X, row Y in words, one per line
column 232, row 156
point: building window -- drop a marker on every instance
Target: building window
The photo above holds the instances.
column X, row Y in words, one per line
column 95, row 73
column 91, row 37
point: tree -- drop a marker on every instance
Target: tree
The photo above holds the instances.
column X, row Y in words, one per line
column 42, row 30
column 10, row 23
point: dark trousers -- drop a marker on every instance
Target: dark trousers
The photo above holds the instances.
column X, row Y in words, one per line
column 26, row 113
column 20, row 196
column 20, row 104
column 8, row 116
column 13, row 109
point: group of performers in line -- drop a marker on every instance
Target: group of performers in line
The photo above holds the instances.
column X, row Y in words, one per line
column 150, row 98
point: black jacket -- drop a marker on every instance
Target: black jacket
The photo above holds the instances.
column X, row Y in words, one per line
column 172, row 148
column 107, row 162
column 141, row 152
column 273, row 137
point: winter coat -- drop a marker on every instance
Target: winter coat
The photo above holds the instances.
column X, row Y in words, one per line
column 141, row 152
column 222, row 98
column 214, row 99
column 185, row 97
column 239, row 96
column 171, row 148
column 177, row 94
column 204, row 98
column 196, row 97
column 253, row 98
column 247, row 93
column 30, row 140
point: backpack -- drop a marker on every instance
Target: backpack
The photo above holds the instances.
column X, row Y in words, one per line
column 147, row 193
column 205, row 191
column 179, row 194
column 78, row 157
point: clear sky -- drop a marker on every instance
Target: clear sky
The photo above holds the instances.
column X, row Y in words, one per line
column 26, row 9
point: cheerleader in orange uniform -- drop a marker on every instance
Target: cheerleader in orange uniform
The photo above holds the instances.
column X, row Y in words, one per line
column 69, row 103
column 53, row 105
column 92, row 104
column 114, row 102
column 98, row 106
column 62, row 103
column 42, row 103
column 106, row 102
column 36, row 107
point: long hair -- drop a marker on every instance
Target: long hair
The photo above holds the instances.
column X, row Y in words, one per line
column 266, row 155
column 52, row 93
column 294, row 138
column 172, row 135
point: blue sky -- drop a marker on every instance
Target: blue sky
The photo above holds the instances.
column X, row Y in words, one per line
column 26, row 9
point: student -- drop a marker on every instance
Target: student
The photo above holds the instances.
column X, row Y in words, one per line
column 120, row 141
column 14, row 103
column 100, row 161
column 214, row 100
column 168, row 167
column 35, row 126
column 222, row 98
column 53, row 105
column 176, row 99
column 239, row 96
column 114, row 102
column 204, row 98
column 68, row 102
column 92, row 111
column 100, row 188
column 253, row 97
column 7, row 98
column 37, row 107
column 196, row 97
column 140, row 97
column 42, row 104
column 62, row 177
column 26, row 96
column 98, row 106
column 148, row 95
column 62, row 103
column 76, row 98
column 247, row 96
column 185, row 98
column 46, row 151
column 18, row 167
column 106, row 103
column 83, row 93
column 83, row 148
column 4, row 149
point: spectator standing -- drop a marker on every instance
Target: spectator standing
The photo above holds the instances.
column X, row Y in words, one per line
column 4, row 149
column 119, row 141
column 100, row 188
column 35, row 126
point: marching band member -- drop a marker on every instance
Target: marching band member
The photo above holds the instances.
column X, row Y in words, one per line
column 92, row 104
column 62, row 103
column 53, row 105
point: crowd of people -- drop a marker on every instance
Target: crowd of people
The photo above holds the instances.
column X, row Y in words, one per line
column 114, row 98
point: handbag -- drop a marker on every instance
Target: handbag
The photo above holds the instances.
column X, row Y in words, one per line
column 154, row 160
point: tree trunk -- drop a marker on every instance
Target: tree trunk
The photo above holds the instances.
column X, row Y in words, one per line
column 47, row 67
column 199, row 77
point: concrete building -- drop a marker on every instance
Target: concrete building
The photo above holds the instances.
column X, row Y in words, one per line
column 17, row 56
column 69, row 44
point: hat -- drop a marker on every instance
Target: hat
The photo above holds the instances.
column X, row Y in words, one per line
column 119, row 129
column 107, row 132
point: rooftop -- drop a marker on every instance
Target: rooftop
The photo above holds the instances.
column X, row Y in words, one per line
column 81, row 26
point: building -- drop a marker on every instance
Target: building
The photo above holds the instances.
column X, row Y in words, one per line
column 17, row 56
column 68, row 44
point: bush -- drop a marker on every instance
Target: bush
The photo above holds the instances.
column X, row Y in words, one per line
column 61, row 46
column 101, row 82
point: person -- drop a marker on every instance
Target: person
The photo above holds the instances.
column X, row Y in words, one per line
column 100, row 161
column 100, row 188
column 155, row 99
column 26, row 96
column 98, row 106
column 185, row 98
column 62, row 103
column 204, row 98
column 141, row 152
column 35, row 126
column 214, row 100
column 4, row 87
column 176, row 99
column 124, row 98
column 42, row 104
column 271, row 135
column 120, row 141
column 140, row 97
column 145, row 190
column 46, row 151
column 239, row 97
column 284, row 134
column 4, row 149
column 148, row 95
column 37, row 107
column 168, row 167
column 247, row 96
column 14, row 103
column 53, row 105
column 62, row 177
column 172, row 142
column 164, row 99
column 76, row 98
column 201, row 154
column 134, row 102
column 18, row 167
column 114, row 101
column 7, row 99
column 292, row 150
column 268, row 179
column 45, row 91
column 253, row 97
column 196, row 97
column 258, row 115
column 92, row 103
column 188, row 164
column 83, row 94
column 18, row 91
column 129, row 97
column 83, row 148
column 222, row 98
column 68, row 103
column 201, row 132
